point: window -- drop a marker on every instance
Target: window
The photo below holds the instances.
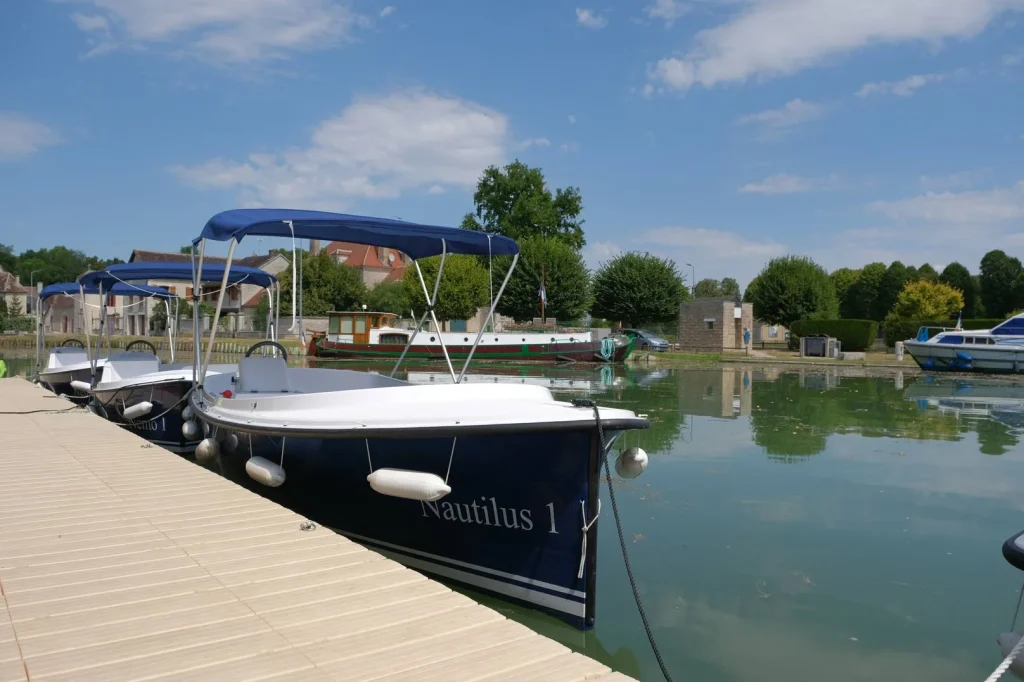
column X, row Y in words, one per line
column 393, row 338
column 709, row 324
column 346, row 325
column 332, row 325
column 361, row 325
column 952, row 339
column 376, row 322
column 773, row 332
column 111, row 300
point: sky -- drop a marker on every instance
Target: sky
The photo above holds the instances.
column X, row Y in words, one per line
column 719, row 133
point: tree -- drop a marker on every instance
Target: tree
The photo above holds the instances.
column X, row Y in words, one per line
column 889, row 289
column 999, row 274
column 843, row 280
column 187, row 250
column 463, row 287
column 927, row 273
column 158, row 318
column 707, row 288
column 261, row 315
column 729, row 287
column 326, row 285
column 515, row 202
column 14, row 308
column 748, row 295
column 957, row 276
column 638, row 288
column 8, row 261
column 565, row 276
column 389, row 297
column 794, row 288
column 862, row 294
column 924, row 300
column 58, row 264
column 4, row 316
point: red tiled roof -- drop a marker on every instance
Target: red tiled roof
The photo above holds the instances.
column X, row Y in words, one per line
column 396, row 274
column 361, row 255
column 9, row 284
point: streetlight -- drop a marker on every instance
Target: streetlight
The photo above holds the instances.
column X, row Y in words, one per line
column 31, row 285
column 693, row 280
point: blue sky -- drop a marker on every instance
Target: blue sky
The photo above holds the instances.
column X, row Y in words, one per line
column 717, row 132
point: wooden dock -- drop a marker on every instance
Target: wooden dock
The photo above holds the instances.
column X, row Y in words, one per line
column 122, row 561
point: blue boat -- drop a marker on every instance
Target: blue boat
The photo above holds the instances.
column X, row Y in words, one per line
column 135, row 388
column 489, row 485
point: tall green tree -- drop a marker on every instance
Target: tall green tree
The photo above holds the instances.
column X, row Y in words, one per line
column 8, row 261
column 729, row 287
column 14, row 307
column 514, row 201
column 637, row 288
column 794, row 288
column 843, row 280
column 751, row 291
column 326, row 285
column 889, row 289
column 389, row 297
column 999, row 274
column 463, row 289
column 924, row 300
column 927, row 273
column 707, row 288
column 958, row 277
column 565, row 276
column 863, row 293
column 57, row 264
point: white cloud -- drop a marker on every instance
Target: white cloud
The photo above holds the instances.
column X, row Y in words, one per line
column 771, row 38
column 901, row 88
column 572, row 119
column 590, row 19
column 387, row 11
column 780, row 183
column 666, row 10
column 596, row 253
column 569, row 146
column 435, row 189
column 534, row 142
column 222, row 31
column 21, row 136
column 793, row 112
column 377, row 147
column 969, row 208
column 714, row 253
column 647, row 90
column 961, row 179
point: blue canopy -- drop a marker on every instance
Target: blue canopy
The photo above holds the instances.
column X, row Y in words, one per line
column 212, row 272
column 120, row 289
column 418, row 241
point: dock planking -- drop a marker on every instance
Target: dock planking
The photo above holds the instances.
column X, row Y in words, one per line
column 122, row 561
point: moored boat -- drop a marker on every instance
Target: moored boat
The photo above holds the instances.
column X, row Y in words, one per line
column 489, row 485
column 368, row 335
column 999, row 350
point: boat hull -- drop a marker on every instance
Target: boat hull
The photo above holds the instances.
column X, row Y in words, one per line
column 549, row 352
column 511, row 526
column 981, row 359
column 60, row 383
column 163, row 425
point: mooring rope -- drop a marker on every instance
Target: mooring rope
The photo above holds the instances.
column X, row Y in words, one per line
column 585, row 402
column 1007, row 662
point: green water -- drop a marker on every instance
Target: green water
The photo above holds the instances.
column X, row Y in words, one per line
column 799, row 526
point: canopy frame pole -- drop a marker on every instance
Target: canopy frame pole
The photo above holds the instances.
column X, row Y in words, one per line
column 408, row 344
column 99, row 339
column 39, row 332
column 171, row 322
column 216, row 314
column 197, row 273
column 431, row 301
column 490, row 314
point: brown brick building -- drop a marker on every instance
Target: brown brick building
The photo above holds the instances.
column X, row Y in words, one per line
column 715, row 324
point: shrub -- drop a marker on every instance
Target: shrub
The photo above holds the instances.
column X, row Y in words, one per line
column 901, row 330
column 854, row 335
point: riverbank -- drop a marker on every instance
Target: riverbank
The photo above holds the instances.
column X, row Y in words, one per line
column 871, row 360
column 27, row 342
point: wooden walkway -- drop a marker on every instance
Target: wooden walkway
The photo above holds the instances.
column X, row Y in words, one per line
column 122, row 561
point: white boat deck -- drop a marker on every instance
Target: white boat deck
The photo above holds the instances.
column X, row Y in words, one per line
column 122, row 561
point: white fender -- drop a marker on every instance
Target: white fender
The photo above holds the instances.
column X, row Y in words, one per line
column 631, row 463
column 264, row 471
column 207, row 450
column 230, row 443
column 189, row 430
column 412, row 485
column 81, row 386
column 186, row 414
column 138, row 410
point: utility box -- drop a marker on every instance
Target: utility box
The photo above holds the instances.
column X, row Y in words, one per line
column 819, row 347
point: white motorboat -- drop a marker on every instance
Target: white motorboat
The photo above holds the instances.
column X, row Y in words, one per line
column 999, row 350
column 490, row 485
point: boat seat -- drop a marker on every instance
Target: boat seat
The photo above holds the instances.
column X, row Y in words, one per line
column 263, row 375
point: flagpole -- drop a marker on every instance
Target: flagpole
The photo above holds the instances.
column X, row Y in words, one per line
column 543, row 294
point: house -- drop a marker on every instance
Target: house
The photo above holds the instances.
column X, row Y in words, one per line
column 13, row 293
column 769, row 333
column 240, row 302
column 715, row 324
column 375, row 264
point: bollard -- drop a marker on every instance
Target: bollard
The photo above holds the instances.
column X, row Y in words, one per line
column 898, row 349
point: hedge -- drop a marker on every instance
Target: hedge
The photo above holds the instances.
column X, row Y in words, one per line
column 901, row 330
column 854, row 335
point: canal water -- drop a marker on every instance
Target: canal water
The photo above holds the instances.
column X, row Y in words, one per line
column 799, row 526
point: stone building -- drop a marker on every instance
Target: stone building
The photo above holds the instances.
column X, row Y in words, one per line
column 715, row 324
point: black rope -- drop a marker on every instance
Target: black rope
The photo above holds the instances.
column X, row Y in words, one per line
column 584, row 402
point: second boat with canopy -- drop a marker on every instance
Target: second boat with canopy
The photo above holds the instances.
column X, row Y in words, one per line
column 491, row 485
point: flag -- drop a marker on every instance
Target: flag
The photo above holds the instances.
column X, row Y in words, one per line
column 959, row 319
column 543, row 296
